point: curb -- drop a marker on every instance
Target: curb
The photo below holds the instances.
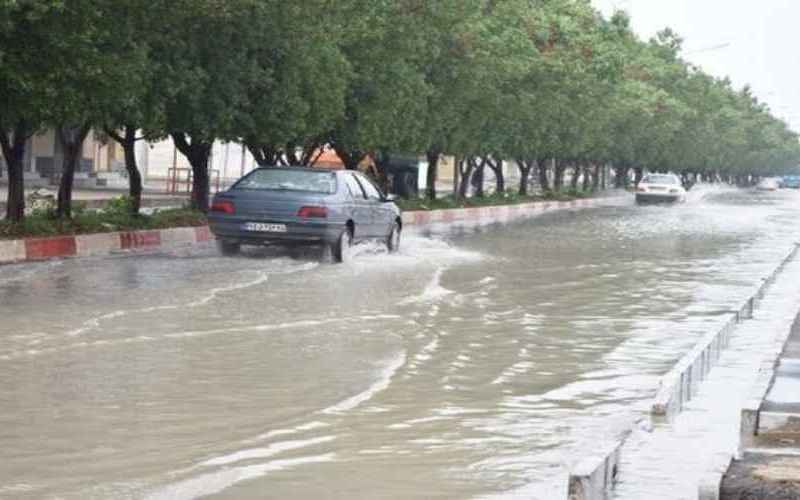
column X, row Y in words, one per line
column 594, row 477
column 89, row 245
column 99, row 244
column 500, row 212
column 679, row 384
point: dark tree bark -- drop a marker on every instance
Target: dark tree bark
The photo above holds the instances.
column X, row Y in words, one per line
column 621, row 178
column 351, row 158
column 72, row 141
column 197, row 151
column 14, row 152
column 525, row 167
column 544, row 180
column 576, row 174
column 477, row 176
column 432, row 174
column 382, row 176
column 128, row 142
column 465, row 168
column 639, row 172
column 598, row 169
column 587, row 178
column 558, row 175
column 265, row 155
column 496, row 165
column 309, row 154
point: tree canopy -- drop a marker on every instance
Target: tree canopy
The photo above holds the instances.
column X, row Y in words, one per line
column 551, row 85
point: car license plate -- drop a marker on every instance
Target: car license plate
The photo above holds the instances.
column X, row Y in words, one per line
column 264, row 228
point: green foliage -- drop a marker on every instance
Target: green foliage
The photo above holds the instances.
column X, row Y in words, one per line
column 494, row 199
column 520, row 80
column 115, row 217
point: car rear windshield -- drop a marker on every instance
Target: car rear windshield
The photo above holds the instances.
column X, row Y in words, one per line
column 276, row 179
column 660, row 179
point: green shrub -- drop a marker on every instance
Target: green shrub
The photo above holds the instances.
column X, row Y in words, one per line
column 116, row 216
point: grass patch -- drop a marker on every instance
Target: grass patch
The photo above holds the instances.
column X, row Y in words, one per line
column 494, row 199
column 115, row 217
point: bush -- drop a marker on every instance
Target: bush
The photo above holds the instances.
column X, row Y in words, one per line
column 507, row 198
column 115, row 217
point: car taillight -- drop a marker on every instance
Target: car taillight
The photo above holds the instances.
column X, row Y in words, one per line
column 313, row 212
column 224, row 206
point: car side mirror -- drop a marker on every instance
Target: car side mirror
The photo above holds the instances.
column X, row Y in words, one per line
column 389, row 197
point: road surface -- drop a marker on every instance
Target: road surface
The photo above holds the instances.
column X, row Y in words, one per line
column 478, row 363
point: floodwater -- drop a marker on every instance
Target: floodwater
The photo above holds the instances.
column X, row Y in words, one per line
column 478, row 363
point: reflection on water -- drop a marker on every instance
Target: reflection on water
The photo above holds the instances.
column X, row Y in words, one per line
column 474, row 363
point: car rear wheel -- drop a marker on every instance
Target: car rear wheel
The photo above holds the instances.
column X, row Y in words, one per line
column 393, row 241
column 229, row 248
column 342, row 249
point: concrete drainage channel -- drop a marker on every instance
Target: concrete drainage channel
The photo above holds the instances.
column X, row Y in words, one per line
column 594, row 477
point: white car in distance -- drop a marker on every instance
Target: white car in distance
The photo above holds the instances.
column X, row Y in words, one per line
column 660, row 188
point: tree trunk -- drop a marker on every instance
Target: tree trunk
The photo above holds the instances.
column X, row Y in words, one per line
column 72, row 141
column 350, row 158
column 544, row 181
column 587, row 178
column 524, row 176
column 598, row 169
column 134, row 177
column 558, row 177
column 477, row 178
column 265, row 155
column 128, row 143
column 433, row 173
column 466, row 167
column 456, row 177
column 497, row 168
column 621, row 178
column 639, row 174
column 14, row 153
column 576, row 175
column 197, row 152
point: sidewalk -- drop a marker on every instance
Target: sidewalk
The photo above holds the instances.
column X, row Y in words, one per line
column 97, row 198
column 769, row 466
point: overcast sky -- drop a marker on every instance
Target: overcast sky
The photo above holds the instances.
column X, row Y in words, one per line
column 760, row 46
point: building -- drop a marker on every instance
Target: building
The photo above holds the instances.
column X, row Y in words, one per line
column 44, row 156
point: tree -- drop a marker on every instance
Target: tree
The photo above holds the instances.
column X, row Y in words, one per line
column 138, row 112
column 301, row 93
column 386, row 93
column 27, row 60
column 210, row 60
column 92, row 67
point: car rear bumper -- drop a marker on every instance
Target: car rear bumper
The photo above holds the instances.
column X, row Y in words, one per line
column 657, row 198
column 296, row 233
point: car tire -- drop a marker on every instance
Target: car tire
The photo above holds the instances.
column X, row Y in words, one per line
column 229, row 248
column 393, row 241
column 342, row 248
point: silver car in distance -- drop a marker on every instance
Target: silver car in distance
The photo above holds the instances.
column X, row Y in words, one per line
column 660, row 188
column 304, row 206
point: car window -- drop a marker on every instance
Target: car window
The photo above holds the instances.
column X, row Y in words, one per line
column 369, row 188
column 661, row 179
column 354, row 187
column 277, row 179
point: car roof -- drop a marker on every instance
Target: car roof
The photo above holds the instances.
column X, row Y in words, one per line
column 295, row 168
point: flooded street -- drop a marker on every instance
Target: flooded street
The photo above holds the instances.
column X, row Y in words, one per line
column 478, row 362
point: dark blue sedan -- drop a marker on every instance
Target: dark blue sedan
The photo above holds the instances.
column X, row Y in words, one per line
column 304, row 206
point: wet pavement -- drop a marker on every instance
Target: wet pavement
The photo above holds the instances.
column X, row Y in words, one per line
column 670, row 460
column 478, row 362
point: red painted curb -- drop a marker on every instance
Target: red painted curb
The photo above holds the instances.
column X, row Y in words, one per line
column 46, row 248
column 140, row 239
column 203, row 233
